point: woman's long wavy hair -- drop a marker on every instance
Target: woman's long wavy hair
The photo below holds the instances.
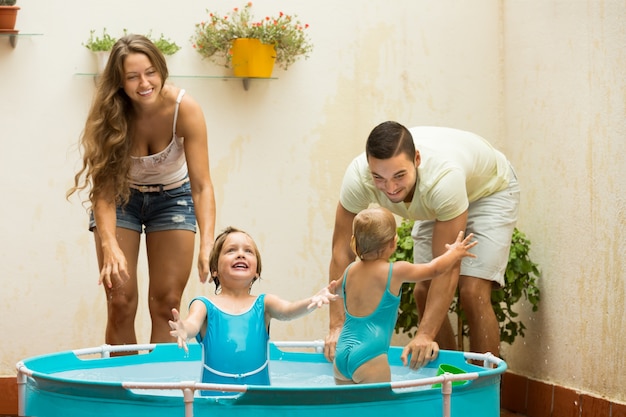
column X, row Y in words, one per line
column 106, row 138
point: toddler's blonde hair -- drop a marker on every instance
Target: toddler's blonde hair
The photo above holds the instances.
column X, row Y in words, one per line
column 372, row 230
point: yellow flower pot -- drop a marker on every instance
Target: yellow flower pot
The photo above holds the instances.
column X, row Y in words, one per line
column 252, row 59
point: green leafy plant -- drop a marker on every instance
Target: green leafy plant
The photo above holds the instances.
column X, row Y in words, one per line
column 105, row 42
column 407, row 315
column 101, row 43
column 165, row 45
column 213, row 38
column 7, row 2
column 520, row 282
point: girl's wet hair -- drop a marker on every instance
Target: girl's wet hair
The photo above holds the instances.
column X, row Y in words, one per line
column 372, row 230
column 217, row 249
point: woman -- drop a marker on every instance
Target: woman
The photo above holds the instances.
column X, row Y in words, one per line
column 145, row 159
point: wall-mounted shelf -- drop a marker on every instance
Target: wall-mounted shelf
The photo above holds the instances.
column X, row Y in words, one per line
column 14, row 35
column 245, row 81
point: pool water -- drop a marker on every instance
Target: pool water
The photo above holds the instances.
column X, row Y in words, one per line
column 282, row 373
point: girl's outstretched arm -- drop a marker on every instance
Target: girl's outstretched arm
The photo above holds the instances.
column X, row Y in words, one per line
column 277, row 308
column 184, row 330
column 409, row 272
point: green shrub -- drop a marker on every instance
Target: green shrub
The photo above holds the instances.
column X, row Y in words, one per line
column 520, row 282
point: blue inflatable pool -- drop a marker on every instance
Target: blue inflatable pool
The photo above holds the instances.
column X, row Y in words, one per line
column 164, row 381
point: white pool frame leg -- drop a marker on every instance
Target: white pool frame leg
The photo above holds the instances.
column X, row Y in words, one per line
column 188, row 394
column 446, row 393
column 21, row 392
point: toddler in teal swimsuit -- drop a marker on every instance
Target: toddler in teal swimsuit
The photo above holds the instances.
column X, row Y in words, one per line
column 233, row 326
column 370, row 288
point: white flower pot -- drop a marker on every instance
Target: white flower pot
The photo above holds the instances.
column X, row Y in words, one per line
column 102, row 57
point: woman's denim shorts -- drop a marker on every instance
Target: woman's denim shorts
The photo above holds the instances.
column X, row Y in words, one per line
column 156, row 211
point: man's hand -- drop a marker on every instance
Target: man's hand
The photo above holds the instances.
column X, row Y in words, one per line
column 422, row 349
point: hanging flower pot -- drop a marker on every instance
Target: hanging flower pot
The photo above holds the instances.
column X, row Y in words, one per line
column 8, row 17
column 101, row 46
column 102, row 57
column 213, row 37
column 250, row 58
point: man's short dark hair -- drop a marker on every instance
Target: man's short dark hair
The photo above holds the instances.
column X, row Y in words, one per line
column 389, row 139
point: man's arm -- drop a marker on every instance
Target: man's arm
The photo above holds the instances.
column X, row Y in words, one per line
column 342, row 255
column 423, row 348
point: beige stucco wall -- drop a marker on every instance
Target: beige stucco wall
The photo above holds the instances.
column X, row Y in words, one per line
column 543, row 80
column 565, row 120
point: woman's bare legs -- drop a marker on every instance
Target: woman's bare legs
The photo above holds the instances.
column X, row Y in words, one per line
column 122, row 300
column 170, row 256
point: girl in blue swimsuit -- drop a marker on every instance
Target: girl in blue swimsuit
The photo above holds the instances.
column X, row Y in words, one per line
column 370, row 288
column 233, row 326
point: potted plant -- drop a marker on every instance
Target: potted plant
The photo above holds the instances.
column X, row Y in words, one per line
column 8, row 16
column 219, row 36
column 101, row 45
column 166, row 45
column 520, row 279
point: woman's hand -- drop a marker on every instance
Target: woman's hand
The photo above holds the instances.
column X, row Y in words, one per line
column 114, row 267
column 203, row 264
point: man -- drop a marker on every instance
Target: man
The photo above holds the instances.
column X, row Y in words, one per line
column 447, row 180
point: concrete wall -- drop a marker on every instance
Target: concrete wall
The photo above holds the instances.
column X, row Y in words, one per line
column 565, row 96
